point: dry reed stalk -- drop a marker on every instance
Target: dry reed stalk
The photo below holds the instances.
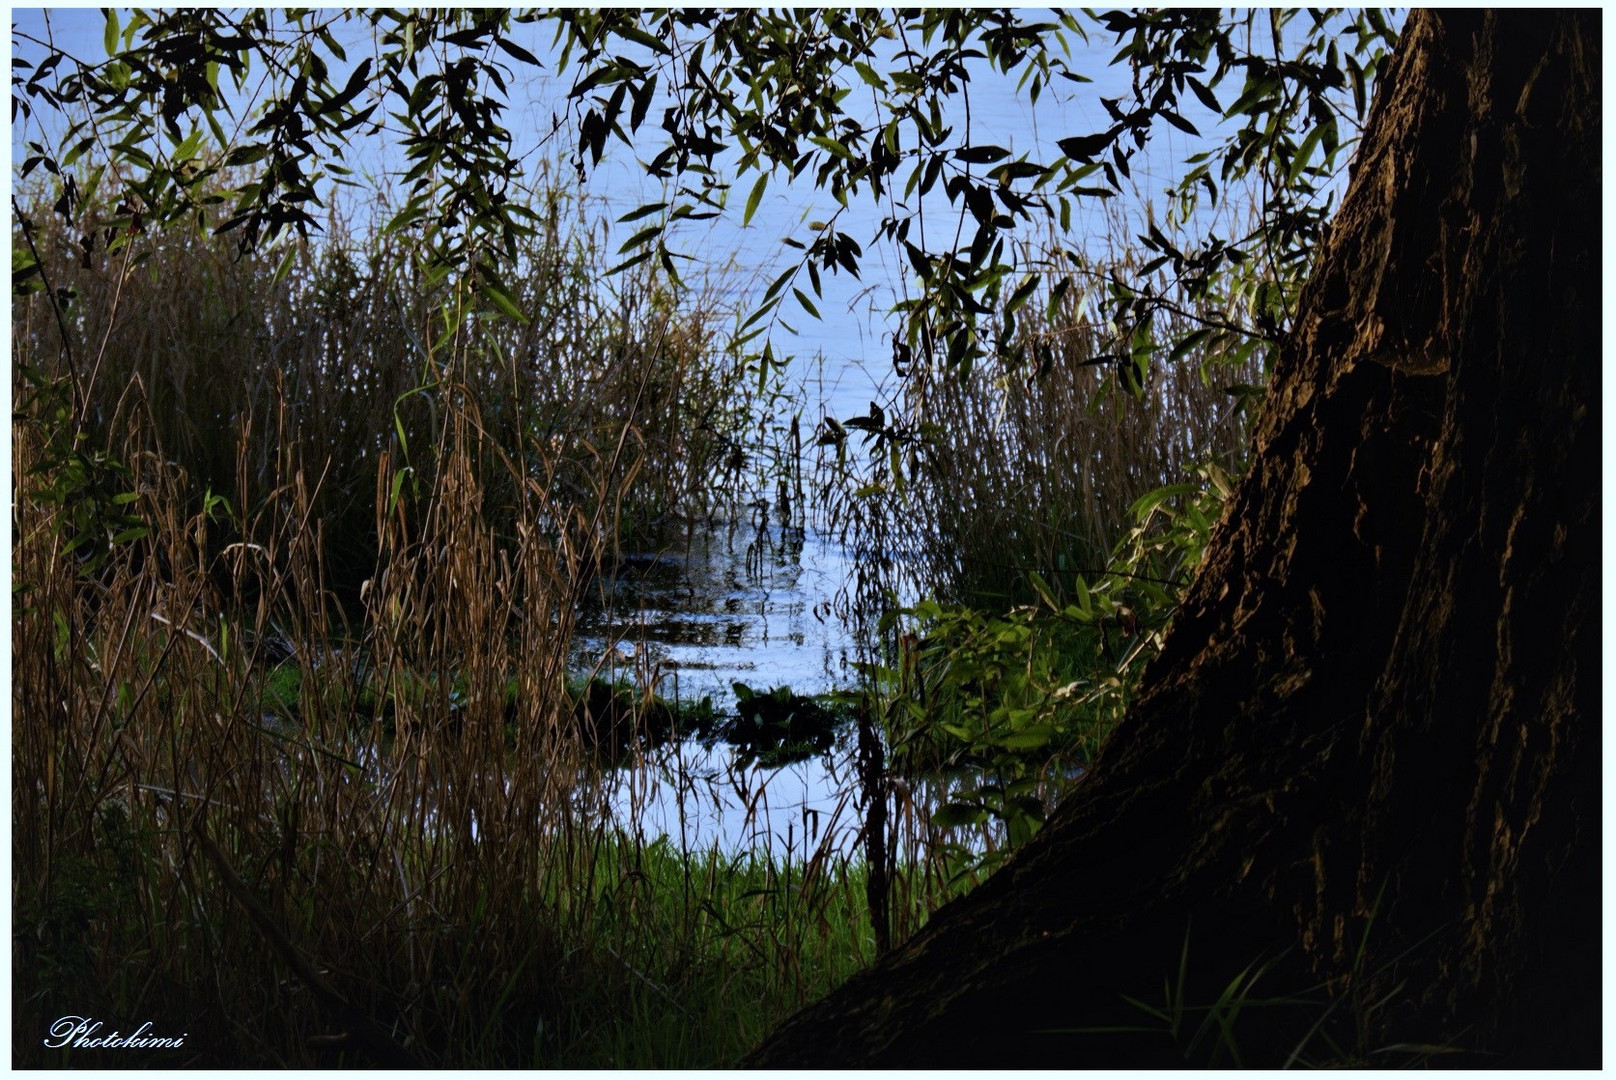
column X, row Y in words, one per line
column 394, row 775
column 353, row 347
column 140, row 687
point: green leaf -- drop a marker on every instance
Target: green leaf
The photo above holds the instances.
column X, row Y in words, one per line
column 187, row 149
column 406, row 216
column 753, row 199
column 76, row 152
column 918, row 260
column 954, row 814
column 1257, row 90
column 650, row 41
column 1151, row 500
column 1359, row 97
column 779, row 283
column 285, row 266
column 869, row 75
column 1188, row 343
column 398, row 477
column 807, row 304
column 1041, row 587
column 1081, row 587
column 641, row 237
column 1033, row 737
column 824, row 142
column 502, row 301
column 644, row 211
column 1305, row 153
column 517, row 51
column 110, row 38
column 1084, row 147
column 1011, row 171
column 1023, row 291
column 981, row 155
column 1179, row 122
column 1208, row 98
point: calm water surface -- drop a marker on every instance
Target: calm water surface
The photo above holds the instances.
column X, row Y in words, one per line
column 753, row 602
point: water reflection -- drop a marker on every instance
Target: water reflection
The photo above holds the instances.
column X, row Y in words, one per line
column 702, row 799
column 748, row 602
column 737, row 603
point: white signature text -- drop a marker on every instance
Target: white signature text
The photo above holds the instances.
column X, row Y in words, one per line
column 83, row 1033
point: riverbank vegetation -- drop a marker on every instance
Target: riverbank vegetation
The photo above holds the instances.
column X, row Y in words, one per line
column 295, row 721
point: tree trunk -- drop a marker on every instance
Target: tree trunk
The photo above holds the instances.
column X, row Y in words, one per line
column 1369, row 754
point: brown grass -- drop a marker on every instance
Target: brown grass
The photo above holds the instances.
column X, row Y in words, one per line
column 415, row 859
column 357, row 353
column 410, row 862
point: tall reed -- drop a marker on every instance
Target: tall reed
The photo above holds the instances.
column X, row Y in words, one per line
column 1033, row 467
column 347, row 343
column 418, row 859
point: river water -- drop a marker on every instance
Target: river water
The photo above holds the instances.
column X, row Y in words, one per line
column 754, row 601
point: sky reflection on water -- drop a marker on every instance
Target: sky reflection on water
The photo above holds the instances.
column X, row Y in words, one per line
column 737, row 603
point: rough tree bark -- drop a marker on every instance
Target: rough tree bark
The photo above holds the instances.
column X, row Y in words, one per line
column 1376, row 720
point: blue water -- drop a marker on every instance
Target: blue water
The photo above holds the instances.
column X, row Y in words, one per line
column 737, row 603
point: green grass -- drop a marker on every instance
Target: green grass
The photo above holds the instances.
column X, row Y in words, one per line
column 1271, row 1014
column 641, row 957
column 686, row 961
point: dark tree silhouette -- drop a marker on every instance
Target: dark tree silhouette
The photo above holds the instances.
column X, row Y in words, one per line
column 1369, row 754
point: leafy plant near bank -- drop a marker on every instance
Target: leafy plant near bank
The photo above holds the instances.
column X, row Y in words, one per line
column 1050, row 521
column 1011, row 709
column 777, row 727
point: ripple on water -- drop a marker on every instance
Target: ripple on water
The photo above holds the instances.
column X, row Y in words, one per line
column 734, row 605
column 713, row 610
